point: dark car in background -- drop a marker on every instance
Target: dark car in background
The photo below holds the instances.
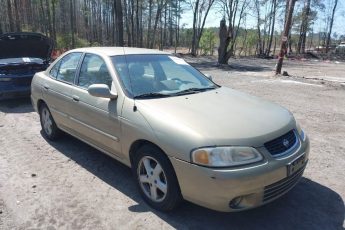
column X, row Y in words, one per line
column 22, row 54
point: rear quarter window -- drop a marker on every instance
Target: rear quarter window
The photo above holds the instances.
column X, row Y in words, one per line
column 54, row 71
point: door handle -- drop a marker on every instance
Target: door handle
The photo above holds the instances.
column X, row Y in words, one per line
column 46, row 87
column 75, row 98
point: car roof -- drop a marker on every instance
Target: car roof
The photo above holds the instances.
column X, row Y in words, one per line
column 113, row 51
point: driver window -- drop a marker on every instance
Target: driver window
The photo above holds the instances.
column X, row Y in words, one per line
column 94, row 71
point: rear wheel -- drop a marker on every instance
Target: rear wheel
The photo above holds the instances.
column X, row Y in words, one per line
column 156, row 179
column 50, row 130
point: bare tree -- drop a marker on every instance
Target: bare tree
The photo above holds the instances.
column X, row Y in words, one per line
column 272, row 27
column 287, row 28
column 160, row 6
column 50, row 30
column 200, row 8
column 331, row 26
column 234, row 11
column 72, row 23
column 258, row 23
column 304, row 27
column 16, row 13
column 119, row 22
column 10, row 17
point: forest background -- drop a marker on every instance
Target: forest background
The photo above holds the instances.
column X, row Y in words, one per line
column 253, row 27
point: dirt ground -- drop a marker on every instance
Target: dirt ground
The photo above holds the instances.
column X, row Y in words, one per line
column 69, row 185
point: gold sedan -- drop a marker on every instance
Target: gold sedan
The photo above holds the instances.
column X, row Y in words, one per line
column 184, row 136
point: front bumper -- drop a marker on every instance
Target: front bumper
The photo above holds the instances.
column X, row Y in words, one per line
column 15, row 86
column 14, row 92
column 255, row 185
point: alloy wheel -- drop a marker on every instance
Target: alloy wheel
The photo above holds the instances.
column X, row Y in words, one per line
column 47, row 121
column 152, row 179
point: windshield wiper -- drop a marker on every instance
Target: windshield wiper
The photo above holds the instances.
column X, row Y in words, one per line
column 193, row 90
column 151, row 95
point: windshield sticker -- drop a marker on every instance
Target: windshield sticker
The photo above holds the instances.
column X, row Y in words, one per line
column 26, row 59
column 178, row 61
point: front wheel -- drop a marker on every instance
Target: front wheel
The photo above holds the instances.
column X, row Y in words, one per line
column 156, row 179
column 50, row 130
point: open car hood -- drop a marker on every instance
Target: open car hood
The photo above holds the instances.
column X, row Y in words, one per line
column 24, row 44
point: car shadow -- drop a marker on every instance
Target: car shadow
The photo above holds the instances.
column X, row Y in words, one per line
column 309, row 205
column 16, row 105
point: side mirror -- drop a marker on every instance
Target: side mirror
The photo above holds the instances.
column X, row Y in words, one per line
column 208, row 76
column 101, row 90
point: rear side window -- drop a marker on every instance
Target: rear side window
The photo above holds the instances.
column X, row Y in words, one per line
column 54, row 71
column 68, row 67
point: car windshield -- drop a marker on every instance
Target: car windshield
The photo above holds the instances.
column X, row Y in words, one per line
column 150, row 76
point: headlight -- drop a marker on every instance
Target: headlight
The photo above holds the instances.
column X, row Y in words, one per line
column 225, row 156
column 301, row 132
column 303, row 135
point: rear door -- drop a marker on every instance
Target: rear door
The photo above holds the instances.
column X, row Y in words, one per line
column 95, row 119
column 57, row 89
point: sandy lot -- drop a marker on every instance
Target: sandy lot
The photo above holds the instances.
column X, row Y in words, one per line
column 69, row 185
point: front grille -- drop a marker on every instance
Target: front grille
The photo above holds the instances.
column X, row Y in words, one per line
column 22, row 69
column 282, row 144
column 279, row 188
column 22, row 81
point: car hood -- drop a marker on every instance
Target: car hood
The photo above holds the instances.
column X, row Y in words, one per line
column 222, row 117
column 23, row 44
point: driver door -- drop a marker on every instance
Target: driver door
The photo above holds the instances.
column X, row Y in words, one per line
column 95, row 119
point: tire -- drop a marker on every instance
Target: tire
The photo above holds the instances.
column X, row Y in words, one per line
column 156, row 178
column 49, row 128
